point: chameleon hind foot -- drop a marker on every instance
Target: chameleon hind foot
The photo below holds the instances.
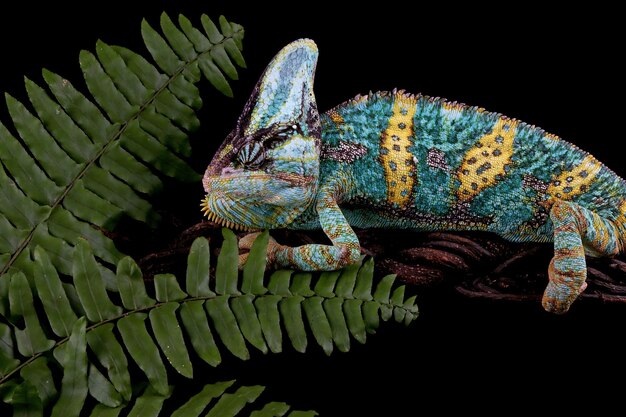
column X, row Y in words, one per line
column 577, row 231
column 563, row 288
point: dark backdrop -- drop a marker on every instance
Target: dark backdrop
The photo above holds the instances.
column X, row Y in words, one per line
column 558, row 70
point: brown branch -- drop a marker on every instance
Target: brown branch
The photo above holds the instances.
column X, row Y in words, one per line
column 476, row 265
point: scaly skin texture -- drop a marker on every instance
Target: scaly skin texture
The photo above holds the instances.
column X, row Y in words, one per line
column 396, row 160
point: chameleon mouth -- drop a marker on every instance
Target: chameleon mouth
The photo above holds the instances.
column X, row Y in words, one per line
column 220, row 220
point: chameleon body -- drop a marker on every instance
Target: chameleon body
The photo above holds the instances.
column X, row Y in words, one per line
column 396, row 160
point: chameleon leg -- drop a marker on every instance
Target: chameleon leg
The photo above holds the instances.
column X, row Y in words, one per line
column 345, row 249
column 576, row 230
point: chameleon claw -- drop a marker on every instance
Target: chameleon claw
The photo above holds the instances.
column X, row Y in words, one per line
column 242, row 260
column 247, row 241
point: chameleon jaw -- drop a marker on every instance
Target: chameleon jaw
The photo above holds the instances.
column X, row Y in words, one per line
column 221, row 221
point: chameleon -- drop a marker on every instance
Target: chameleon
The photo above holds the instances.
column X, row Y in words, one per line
column 404, row 161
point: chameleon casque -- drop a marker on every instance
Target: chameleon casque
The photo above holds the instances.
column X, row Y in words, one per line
column 396, row 160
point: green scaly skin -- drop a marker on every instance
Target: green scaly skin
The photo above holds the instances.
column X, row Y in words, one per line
column 395, row 160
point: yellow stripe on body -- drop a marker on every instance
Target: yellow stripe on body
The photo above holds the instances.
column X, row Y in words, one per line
column 397, row 160
column 569, row 184
column 488, row 160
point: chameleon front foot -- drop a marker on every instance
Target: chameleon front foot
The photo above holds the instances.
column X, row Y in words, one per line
column 306, row 257
column 245, row 243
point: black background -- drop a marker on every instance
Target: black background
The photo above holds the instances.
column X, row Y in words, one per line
column 555, row 69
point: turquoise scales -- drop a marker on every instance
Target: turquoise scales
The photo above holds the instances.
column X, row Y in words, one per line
column 395, row 160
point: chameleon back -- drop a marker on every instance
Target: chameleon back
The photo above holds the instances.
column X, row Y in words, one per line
column 428, row 164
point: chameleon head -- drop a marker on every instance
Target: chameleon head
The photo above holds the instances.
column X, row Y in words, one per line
column 265, row 173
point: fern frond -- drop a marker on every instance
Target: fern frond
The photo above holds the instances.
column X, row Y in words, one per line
column 206, row 320
column 214, row 400
column 74, row 165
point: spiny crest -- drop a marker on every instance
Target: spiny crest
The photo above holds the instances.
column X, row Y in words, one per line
column 204, row 206
column 456, row 106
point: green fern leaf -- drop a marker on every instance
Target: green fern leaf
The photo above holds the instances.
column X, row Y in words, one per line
column 197, row 327
column 101, row 389
column 104, row 90
column 101, row 410
column 167, row 288
column 52, row 158
column 411, row 310
column 130, row 285
column 347, row 280
column 123, row 77
column 214, row 324
column 25, row 401
column 336, row 319
column 146, row 147
column 200, row 42
column 150, row 403
column 354, row 318
column 143, row 350
column 249, row 321
column 291, row 310
column 363, row 288
column 229, row 405
column 73, row 358
column 160, row 50
column 226, row 274
column 170, row 337
column 226, row 326
column 8, row 362
column 91, row 287
column 221, row 399
column 255, row 266
column 269, row 319
column 279, row 283
column 271, row 410
column 301, row 284
column 370, row 316
column 196, row 404
column 111, row 356
column 211, row 30
column 28, row 176
column 80, row 165
column 39, row 375
column 32, row 339
column 50, row 289
column 318, row 321
column 179, row 42
column 213, row 74
column 296, row 413
column 382, row 296
column 198, row 269
column 149, row 76
column 326, row 283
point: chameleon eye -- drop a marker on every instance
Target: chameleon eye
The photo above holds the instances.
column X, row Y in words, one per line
column 251, row 155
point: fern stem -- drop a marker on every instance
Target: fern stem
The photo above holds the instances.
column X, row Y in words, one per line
column 159, row 304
